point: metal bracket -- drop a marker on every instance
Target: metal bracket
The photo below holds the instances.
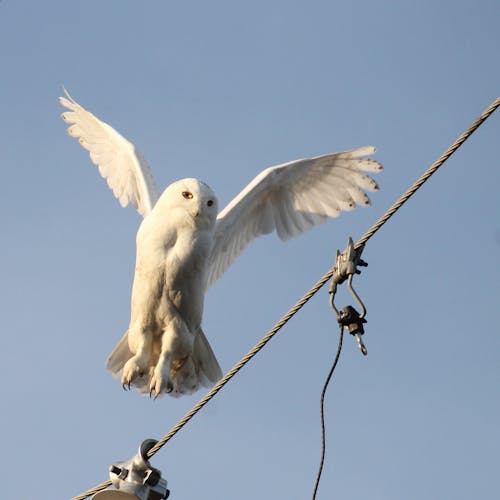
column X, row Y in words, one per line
column 346, row 266
column 136, row 478
column 351, row 319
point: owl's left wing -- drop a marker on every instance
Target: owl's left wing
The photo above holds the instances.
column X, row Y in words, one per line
column 291, row 199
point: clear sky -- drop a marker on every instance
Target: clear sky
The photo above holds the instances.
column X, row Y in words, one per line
column 220, row 90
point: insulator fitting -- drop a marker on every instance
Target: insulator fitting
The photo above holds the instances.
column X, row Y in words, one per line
column 136, row 478
column 346, row 266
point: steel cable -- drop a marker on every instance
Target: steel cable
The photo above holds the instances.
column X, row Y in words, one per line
column 314, row 289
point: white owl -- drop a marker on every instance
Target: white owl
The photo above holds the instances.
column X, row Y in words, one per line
column 184, row 245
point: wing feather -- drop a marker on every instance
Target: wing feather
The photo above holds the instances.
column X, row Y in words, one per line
column 290, row 199
column 119, row 162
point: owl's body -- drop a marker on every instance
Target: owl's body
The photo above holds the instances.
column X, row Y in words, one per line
column 167, row 350
column 184, row 245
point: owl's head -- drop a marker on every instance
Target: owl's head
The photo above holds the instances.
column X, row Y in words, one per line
column 191, row 200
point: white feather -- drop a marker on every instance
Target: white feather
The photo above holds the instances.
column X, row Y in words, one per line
column 119, row 162
column 291, row 198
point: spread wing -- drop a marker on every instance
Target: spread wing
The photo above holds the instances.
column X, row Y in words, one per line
column 290, row 199
column 119, row 162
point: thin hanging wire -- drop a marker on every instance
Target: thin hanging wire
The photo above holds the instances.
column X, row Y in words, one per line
column 322, row 412
column 314, row 289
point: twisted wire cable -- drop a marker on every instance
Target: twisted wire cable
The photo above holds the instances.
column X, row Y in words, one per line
column 313, row 290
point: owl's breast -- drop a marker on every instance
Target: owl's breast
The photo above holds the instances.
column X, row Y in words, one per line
column 186, row 260
column 185, row 273
column 170, row 270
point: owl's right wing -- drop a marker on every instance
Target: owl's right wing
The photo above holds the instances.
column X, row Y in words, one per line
column 119, row 162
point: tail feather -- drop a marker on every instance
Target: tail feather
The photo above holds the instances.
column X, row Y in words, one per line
column 120, row 355
column 208, row 368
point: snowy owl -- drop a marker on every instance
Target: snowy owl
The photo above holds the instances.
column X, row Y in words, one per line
column 184, row 244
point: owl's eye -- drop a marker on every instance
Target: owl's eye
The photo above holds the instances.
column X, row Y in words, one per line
column 210, row 203
column 187, row 194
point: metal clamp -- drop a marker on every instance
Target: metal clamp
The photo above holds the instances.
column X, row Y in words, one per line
column 346, row 266
column 136, row 478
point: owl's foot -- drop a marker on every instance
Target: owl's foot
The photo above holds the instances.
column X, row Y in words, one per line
column 132, row 370
column 174, row 377
column 159, row 383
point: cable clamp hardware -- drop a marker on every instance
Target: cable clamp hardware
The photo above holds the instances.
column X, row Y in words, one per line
column 136, row 478
column 346, row 266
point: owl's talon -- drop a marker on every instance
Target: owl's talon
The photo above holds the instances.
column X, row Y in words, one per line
column 132, row 370
column 158, row 385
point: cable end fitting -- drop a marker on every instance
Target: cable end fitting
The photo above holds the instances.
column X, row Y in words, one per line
column 352, row 320
column 361, row 346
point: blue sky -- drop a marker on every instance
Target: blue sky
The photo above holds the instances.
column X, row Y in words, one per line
column 220, row 90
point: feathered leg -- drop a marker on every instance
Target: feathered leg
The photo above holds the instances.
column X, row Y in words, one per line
column 140, row 341
column 174, row 372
